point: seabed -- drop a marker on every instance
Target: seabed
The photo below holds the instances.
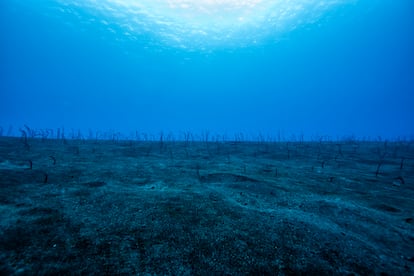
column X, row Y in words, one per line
column 206, row 208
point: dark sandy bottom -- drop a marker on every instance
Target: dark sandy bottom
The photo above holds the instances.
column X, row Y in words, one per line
column 176, row 208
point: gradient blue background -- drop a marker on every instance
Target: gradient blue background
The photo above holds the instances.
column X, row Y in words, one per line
column 352, row 73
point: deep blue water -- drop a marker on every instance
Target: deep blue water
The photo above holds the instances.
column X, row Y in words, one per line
column 348, row 72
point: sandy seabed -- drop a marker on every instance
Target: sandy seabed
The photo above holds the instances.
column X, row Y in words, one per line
column 198, row 208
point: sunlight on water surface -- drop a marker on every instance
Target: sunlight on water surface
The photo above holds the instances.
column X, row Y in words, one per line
column 206, row 23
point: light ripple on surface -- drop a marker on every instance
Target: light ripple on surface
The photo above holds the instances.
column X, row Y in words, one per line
column 207, row 23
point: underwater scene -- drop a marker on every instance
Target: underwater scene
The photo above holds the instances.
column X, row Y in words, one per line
column 209, row 137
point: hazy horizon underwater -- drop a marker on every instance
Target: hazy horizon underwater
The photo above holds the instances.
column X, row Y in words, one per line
column 207, row 137
column 305, row 68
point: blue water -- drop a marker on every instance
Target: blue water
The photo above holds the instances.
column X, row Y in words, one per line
column 339, row 71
